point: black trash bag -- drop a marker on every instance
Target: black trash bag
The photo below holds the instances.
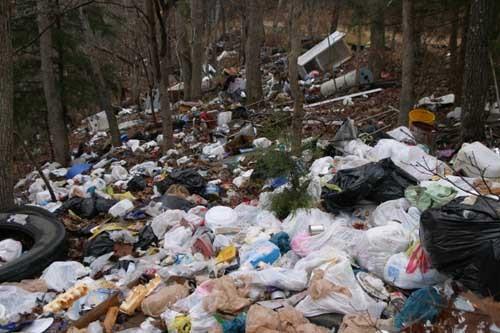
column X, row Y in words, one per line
column 99, row 245
column 163, row 185
column 463, row 241
column 136, row 184
column 87, row 208
column 174, row 202
column 146, row 238
column 190, row 178
column 378, row 182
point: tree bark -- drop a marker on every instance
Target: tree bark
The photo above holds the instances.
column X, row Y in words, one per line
column 6, row 110
column 255, row 39
column 196, row 47
column 453, row 45
column 293, row 73
column 153, row 42
column 334, row 23
column 477, row 74
column 55, row 112
column 407, row 81
column 377, row 39
column 102, row 88
column 184, row 51
column 461, row 56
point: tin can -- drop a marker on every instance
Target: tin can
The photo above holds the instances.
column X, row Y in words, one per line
column 316, row 229
column 278, row 294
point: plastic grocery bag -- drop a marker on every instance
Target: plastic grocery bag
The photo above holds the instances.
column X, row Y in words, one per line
column 434, row 195
column 300, row 220
column 318, row 258
column 177, row 238
column 15, row 301
column 392, row 210
column 277, row 277
column 338, row 235
column 395, row 273
column 378, row 244
column 462, row 240
column 61, row 275
column 321, row 166
column 164, row 221
column 476, row 160
column 350, row 299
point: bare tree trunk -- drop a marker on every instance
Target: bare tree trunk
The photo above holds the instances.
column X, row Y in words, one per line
column 461, row 56
column 58, row 130
column 153, row 42
column 196, row 47
column 477, row 75
column 334, row 23
column 293, row 73
column 453, row 45
column 377, row 39
column 184, row 51
column 243, row 31
column 407, row 80
column 223, row 18
column 102, row 88
column 310, row 18
column 255, row 39
column 6, row 110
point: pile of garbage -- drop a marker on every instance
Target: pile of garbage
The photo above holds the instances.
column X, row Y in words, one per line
column 231, row 232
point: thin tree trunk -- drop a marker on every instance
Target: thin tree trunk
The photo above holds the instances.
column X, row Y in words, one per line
column 377, row 39
column 6, row 110
column 57, row 126
column 223, row 19
column 102, row 88
column 334, row 23
column 196, row 47
column 184, row 51
column 255, row 39
column 153, row 42
column 453, row 46
column 407, row 81
column 277, row 15
column 477, row 74
column 293, row 73
column 243, row 31
column 310, row 18
column 461, row 56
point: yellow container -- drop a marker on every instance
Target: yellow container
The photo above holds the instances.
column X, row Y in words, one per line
column 422, row 116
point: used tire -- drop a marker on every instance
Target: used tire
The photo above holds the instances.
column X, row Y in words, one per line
column 42, row 233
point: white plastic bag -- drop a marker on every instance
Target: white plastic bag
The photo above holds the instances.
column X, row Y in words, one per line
column 321, row 166
column 121, row 208
column 176, row 239
column 10, row 249
column 339, row 235
column 318, row 258
column 61, row 275
column 119, row 173
column 378, row 244
column 15, row 301
column 221, row 216
column 475, row 158
column 354, row 300
column 303, row 218
column 262, row 143
column 164, row 221
column 395, row 274
column 281, row 278
column 392, row 210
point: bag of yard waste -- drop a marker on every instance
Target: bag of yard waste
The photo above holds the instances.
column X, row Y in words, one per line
column 462, row 240
column 342, row 293
column 377, row 182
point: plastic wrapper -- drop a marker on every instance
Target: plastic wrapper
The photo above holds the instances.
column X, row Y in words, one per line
column 61, row 275
column 260, row 251
column 377, row 182
column 463, row 241
column 177, row 238
column 318, row 258
column 352, row 299
column 378, row 244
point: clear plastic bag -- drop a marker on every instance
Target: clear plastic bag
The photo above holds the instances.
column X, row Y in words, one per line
column 61, row 275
